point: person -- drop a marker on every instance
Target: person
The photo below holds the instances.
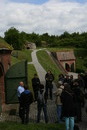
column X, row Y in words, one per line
column 49, row 77
column 81, row 82
column 42, row 104
column 61, row 77
column 58, row 101
column 35, row 85
column 26, row 98
column 20, row 89
column 79, row 100
column 68, row 107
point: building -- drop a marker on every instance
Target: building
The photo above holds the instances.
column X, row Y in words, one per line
column 30, row 45
column 5, row 62
column 67, row 60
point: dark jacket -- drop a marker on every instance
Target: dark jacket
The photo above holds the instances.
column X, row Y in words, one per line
column 68, row 104
column 49, row 79
column 35, row 84
column 26, row 98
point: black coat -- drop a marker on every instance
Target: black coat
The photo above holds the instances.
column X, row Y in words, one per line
column 49, row 79
column 26, row 98
column 68, row 104
column 35, row 84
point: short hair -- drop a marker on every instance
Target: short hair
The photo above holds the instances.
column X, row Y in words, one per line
column 35, row 74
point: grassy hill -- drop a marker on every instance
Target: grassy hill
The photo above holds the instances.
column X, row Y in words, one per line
column 4, row 44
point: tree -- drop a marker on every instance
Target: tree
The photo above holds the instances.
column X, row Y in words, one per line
column 12, row 38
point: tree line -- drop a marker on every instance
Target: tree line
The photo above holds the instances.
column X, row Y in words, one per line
column 18, row 39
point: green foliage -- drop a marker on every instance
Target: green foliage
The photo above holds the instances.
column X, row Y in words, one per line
column 17, row 39
column 30, row 126
column 13, row 38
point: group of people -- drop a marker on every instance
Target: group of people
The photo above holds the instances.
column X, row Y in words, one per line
column 69, row 98
column 41, row 92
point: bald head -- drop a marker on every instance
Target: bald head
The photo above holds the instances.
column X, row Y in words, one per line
column 21, row 83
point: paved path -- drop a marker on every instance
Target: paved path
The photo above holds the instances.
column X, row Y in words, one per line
column 40, row 70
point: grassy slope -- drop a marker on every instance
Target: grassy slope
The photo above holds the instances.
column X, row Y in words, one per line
column 40, row 126
column 31, row 72
column 4, row 44
column 80, row 57
column 22, row 55
column 47, row 63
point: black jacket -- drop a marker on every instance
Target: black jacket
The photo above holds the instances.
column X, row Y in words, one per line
column 35, row 83
column 26, row 98
column 68, row 104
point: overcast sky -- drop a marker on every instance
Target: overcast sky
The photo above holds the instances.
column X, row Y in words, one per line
column 43, row 16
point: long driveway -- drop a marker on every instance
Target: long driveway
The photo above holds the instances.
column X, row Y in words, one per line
column 40, row 70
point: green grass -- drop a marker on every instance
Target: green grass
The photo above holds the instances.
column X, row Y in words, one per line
column 80, row 58
column 31, row 126
column 4, row 44
column 31, row 72
column 22, row 55
column 48, row 63
column 14, row 60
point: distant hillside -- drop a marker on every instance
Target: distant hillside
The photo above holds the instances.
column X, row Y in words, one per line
column 4, row 44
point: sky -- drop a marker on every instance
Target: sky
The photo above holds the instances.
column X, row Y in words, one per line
column 43, row 16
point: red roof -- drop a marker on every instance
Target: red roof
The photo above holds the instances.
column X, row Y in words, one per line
column 67, row 55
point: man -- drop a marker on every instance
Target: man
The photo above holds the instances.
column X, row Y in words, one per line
column 20, row 89
column 49, row 77
column 26, row 98
column 42, row 104
column 35, row 85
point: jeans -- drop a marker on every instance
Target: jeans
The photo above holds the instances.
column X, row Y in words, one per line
column 40, row 107
column 69, row 123
column 59, row 111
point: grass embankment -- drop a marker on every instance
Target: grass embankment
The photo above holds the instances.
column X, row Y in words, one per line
column 48, row 63
column 22, row 55
column 31, row 126
column 80, row 54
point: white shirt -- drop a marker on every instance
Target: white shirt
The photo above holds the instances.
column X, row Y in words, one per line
column 20, row 90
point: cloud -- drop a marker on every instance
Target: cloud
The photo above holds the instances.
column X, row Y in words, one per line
column 53, row 17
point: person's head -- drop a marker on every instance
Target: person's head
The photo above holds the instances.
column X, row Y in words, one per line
column 21, row 83
column 71, row 76
column 49, row 71
column 35, row 75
